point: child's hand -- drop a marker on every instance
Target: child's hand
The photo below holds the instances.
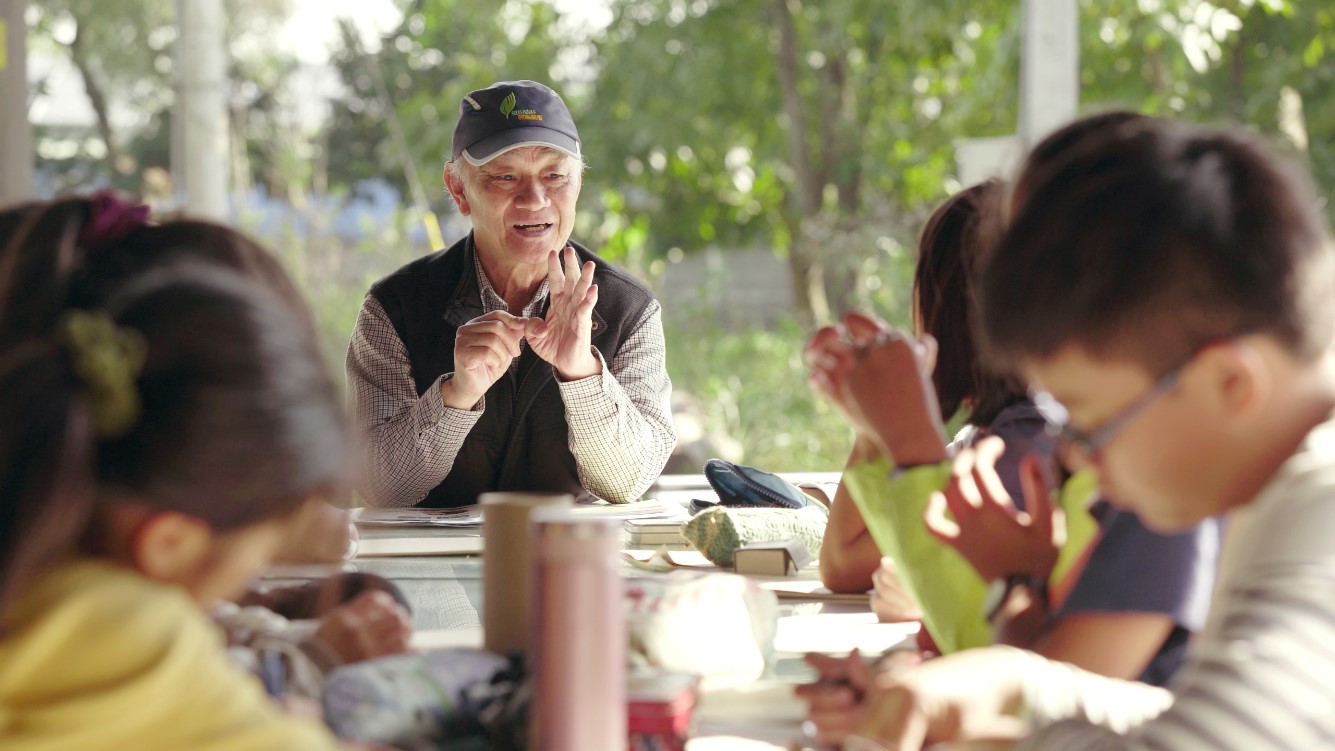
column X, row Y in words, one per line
column 835, row 701
column 370, row 625
column 966, row 696
column 300, row 706
column 890, row 390
column 889, row 600
column 996, row 538
column 831, row 355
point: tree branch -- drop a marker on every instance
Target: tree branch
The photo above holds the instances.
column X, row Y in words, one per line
column 96, row 97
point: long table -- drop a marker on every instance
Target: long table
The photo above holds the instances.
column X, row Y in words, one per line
column 446, row 594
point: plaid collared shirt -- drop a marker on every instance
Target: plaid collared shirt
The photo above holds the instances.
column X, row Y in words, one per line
column 621, row 432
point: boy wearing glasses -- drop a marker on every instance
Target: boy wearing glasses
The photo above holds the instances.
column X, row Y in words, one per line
column 1171, row 289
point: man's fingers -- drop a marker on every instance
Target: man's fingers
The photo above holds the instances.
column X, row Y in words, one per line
column 589, row 301
column 504, row 348
column 481, row 356
column 502, row 316
column 556, row 277
column 480, row 333
column 570, row 266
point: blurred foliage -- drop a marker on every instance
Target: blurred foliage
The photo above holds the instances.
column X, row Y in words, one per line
column 123, row 52
column 751, row 386
column 810, row 128
column 442, row 50
column 824, row 131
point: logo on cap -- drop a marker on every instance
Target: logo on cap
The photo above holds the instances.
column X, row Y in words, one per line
column 508, row 108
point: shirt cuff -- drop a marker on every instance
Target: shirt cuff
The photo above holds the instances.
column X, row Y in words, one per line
column 432, row 412
column 580, row 391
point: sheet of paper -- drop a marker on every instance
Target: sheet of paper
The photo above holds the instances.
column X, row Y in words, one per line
column 788, row 588
column 647, row 508
column 838, row 633
column 471, row 516
column 663, row 559
column 447, row 638
column 466, row 516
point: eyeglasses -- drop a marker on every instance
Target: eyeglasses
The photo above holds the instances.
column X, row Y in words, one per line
column 1059, row 419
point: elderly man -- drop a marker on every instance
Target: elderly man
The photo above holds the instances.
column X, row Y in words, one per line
column 516, row 359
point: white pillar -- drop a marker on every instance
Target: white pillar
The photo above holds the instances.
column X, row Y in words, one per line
column 201, row 164
column 16, row 154
column 1049, row 67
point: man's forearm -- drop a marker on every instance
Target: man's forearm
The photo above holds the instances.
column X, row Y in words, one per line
column 413, row 452
column 619, row 447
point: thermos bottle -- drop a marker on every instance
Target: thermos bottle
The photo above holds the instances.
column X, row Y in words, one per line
column 506, row 566
column 579, row 635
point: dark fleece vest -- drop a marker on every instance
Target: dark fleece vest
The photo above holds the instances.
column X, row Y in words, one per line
column 521, row 441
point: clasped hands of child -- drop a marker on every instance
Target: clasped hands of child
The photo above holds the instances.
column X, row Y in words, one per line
column 880, row 380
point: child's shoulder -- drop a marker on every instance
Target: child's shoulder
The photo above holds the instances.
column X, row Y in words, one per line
column 103, row 591
column 1291, row 518
column 100, row 613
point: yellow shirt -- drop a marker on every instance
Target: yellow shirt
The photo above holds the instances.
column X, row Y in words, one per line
column 95, row 656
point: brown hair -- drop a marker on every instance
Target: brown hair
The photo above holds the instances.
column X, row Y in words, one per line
column 1149, row 239
column 238, row 421
column 1049, row 152
column 952, row 243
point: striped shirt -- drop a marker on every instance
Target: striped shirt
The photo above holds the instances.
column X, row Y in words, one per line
column 1261, row 674
column 620, row 421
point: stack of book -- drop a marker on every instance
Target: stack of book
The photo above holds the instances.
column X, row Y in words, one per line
column 654, row 533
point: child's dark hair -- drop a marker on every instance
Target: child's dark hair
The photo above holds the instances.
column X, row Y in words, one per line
column 1150, row 239
column 952, row 243
column 74, row 267
column 1050, row 152
column 234, row 418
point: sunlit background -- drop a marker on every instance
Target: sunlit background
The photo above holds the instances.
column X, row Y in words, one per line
column 764, row 164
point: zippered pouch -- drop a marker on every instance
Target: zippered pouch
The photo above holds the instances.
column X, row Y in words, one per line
column 738, row 485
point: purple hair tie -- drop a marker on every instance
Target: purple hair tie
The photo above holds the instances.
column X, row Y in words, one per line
column 110, row 221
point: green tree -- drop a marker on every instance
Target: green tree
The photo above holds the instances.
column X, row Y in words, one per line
column 123, row 53
column 1267, row 64
column 442, row 50
column 120, row 49
column 822, row 130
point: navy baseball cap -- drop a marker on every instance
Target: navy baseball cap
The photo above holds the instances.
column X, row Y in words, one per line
column 511, row 114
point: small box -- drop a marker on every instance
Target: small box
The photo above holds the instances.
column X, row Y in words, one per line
column 771, row 558
column 659, row 708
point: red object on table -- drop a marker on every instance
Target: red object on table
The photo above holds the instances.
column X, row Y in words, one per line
column 658, row 707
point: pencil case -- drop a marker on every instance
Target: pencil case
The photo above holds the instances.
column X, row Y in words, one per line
column 740, row 486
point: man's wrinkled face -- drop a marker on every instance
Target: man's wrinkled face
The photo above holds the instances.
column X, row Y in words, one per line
column 522, row 204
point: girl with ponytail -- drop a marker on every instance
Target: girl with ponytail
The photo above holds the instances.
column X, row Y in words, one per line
column 162, row 423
